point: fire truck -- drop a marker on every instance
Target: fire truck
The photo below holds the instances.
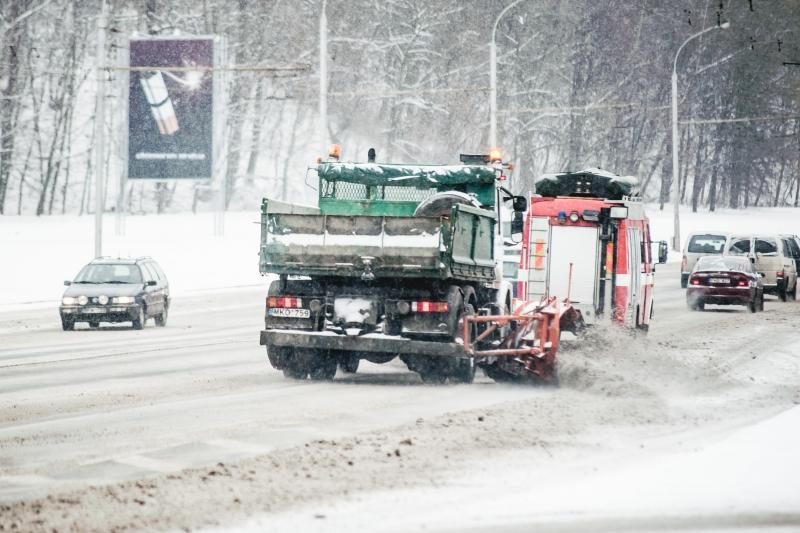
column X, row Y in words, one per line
column 586, row 238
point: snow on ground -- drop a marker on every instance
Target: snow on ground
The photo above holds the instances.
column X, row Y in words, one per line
column 39, row 253
column 744, row 472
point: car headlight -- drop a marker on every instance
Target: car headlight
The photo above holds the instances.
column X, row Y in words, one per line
column 83, row 300
column 102, row 299
column 69, row 300
column 123, row 299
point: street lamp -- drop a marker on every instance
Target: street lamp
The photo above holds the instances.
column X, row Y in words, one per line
column 493, row 78
column 676, row 182
column 323, row 77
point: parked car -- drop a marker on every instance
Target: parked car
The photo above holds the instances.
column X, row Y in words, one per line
column 725, row 280
column 116, row 290
column 700, row 244
column 774, row 257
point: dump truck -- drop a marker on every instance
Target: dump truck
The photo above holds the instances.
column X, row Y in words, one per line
column 395, row 261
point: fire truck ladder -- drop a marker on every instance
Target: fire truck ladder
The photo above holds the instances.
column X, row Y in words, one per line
column 537, row 259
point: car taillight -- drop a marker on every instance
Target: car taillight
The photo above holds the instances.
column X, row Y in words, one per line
column 429, row 307
column 780, row 273
column 289, row 302
column 695, row 281
column 743, row 283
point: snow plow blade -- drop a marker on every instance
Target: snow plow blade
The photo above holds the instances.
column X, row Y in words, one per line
column 528, row 350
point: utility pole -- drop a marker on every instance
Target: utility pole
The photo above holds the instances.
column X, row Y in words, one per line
column 99, row 134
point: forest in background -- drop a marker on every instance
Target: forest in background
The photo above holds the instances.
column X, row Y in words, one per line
column 580, row 83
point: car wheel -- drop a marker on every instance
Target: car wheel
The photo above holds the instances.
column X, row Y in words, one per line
column 139, row 321
column 67, row 324
column 753, row 305
column 684, row 282
column 782, row 295
column 696, row 306
column 793, row 294
column 761, row 302
column 161, row 319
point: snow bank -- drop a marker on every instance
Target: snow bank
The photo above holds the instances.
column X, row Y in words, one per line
column 39, row 253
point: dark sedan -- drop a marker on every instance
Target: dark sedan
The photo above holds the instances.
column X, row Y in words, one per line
column 725, row 281
column 116, row 290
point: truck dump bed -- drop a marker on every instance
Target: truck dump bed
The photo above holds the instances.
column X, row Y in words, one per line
column 459, row 246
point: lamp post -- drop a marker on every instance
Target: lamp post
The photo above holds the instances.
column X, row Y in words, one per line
column 323, row 77
column 99, row 133
column 493, row 78
column 676, row 181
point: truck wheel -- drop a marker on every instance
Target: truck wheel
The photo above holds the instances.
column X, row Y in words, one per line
column 294, row 373
column 323, row 367
column 279, row 356
column 433, row 376
column 465, row 371
column 349, row 364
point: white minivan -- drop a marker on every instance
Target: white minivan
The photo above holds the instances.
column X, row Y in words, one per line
column 775, row 258
column 700, row 244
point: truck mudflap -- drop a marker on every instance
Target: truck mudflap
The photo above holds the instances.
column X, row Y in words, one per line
column 371, row 342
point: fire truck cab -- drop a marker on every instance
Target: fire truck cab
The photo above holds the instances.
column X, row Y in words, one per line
column 586, row 237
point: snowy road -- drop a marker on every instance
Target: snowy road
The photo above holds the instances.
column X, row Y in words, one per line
column 188, row 426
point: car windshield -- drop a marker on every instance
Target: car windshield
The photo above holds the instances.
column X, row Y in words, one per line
column 733, row 264
column 706, row 244
column 107, row 273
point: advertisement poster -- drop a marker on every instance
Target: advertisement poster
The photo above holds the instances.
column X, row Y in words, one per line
column 171, row 108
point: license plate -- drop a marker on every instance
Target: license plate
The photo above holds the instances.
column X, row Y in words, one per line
column 726, row 281
column 289, row 313
column 94, row 310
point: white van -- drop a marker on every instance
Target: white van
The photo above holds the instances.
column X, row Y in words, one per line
column 774, row 257
column 699, row 244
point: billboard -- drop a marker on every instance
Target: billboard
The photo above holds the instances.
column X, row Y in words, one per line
column 171, row 108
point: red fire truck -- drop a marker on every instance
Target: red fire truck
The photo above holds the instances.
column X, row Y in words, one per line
column 586, row 237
